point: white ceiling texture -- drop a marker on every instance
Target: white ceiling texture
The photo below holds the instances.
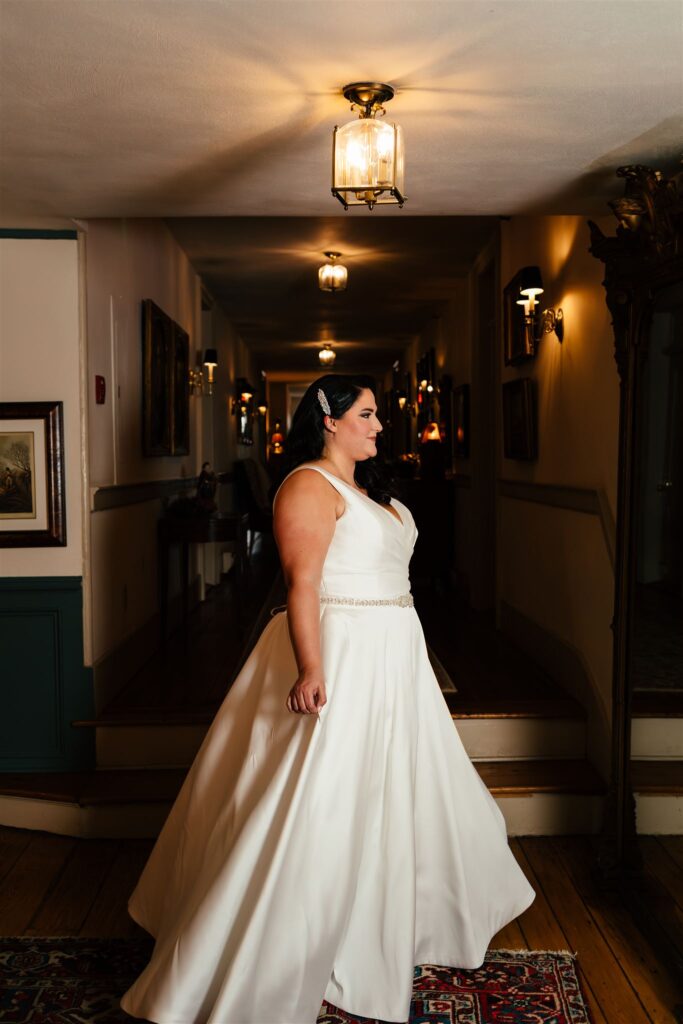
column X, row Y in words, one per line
column 210, row 109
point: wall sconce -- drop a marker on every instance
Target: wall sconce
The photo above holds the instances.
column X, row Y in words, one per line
column 367, row 155
column 530, row 286
column 197, row 384
column 262, row 408
column 243, row 401
column 333, row 276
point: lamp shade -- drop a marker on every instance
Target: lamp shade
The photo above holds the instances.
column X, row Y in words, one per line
column 530, row 281
column 368, row 163
column 327, row 356
column 210, row 357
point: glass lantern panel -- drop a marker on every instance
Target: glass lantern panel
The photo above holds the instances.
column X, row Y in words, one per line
column 364, row 155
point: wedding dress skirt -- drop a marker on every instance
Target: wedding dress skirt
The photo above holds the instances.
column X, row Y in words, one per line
column 324, row 856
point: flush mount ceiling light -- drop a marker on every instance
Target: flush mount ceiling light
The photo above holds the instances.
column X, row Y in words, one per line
column 333, row 276
column 327, row 355
column 367, row 154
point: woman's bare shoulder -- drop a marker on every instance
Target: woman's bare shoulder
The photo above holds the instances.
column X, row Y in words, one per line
column 302, row 486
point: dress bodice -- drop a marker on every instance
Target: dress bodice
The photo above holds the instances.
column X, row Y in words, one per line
column 370, row 550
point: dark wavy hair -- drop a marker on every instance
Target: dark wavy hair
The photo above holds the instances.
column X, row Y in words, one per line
column 306, row 438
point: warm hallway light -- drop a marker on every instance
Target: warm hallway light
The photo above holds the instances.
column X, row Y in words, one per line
column 333, row 276
column 327, row 355
column 367, row 155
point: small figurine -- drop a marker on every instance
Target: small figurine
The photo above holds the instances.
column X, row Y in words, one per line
column 206, row 489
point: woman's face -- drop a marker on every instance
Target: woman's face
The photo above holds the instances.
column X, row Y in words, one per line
column 358, row 428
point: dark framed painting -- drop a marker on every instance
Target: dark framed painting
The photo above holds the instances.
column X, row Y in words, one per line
column 180, row 425
column 165, row 387
column 461, row 421
column 32, row 490
column 518, row 341
column 519, row 419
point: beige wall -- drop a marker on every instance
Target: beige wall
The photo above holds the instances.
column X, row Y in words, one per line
column 40, row 361
column 578, row 393
column 128, row 261
column 553, row 564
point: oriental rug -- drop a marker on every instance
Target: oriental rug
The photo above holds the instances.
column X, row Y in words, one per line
column 80, row 981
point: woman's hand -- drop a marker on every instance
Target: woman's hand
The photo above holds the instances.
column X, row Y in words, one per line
column 307, row 696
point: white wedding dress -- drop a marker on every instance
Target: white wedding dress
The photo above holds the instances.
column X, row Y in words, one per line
column 324, row 856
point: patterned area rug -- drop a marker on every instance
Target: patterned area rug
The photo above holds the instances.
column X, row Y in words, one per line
column 80, row 981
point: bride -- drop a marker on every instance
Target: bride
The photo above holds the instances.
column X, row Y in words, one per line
column 332, row 832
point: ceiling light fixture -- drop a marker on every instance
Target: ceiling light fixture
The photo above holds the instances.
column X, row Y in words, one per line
column 327, row 356
column 333, row 276
column 367, row 155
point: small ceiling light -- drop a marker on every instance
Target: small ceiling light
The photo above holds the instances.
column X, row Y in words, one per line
column 327, row 356
column 367, row 155
column 333, row 276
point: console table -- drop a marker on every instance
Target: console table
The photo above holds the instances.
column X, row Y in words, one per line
column 217, row 528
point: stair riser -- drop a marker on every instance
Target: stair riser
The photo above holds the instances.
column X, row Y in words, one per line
column 659, row 739
column 486, row 739
column 101, row 821
column 552, row 814
column 511, row 739
column 659, row 814
column 539, row 814
column 149, row 746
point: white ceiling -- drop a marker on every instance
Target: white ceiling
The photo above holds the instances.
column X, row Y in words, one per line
column 221, row 108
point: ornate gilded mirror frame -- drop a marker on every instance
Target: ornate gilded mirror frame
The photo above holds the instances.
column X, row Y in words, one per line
column 643, row 258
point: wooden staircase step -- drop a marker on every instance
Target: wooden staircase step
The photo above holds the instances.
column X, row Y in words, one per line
column 517, row 778
column 148, row 785
column 511, row 707
column 657, row 704
column 657, row 777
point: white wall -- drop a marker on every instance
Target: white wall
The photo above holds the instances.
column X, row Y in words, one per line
column 40, row 361
column 128, row 261
column 553, row 563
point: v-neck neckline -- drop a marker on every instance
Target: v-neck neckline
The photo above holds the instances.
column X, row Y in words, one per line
column 399, row 522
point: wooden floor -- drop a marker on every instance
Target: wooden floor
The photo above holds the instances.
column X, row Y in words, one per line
column 54, row 885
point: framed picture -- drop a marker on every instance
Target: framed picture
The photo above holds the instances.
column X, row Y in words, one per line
column 518, row 338
column 519, row 419
column 461, row 421
column 166, row 388
column 181, row 391
column 32, row 494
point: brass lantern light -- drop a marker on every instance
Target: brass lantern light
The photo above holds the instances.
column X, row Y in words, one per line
column 367, row 154
column 333, row 276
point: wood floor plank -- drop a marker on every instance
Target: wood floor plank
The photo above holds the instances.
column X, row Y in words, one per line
column 609, row 984
column 108, row 917
column 13, row 842
column 509, row 937
column 660, row 864
column 655, row 987
column 542, row 930
column 36, row 871
column 674, row 847
column 66, row 907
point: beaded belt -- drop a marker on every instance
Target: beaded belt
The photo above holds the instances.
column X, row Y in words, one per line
column 403, row 601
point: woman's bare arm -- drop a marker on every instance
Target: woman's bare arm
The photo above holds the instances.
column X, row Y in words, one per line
column 304, row 520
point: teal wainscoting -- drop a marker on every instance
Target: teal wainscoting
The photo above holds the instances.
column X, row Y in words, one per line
column 44, row 685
